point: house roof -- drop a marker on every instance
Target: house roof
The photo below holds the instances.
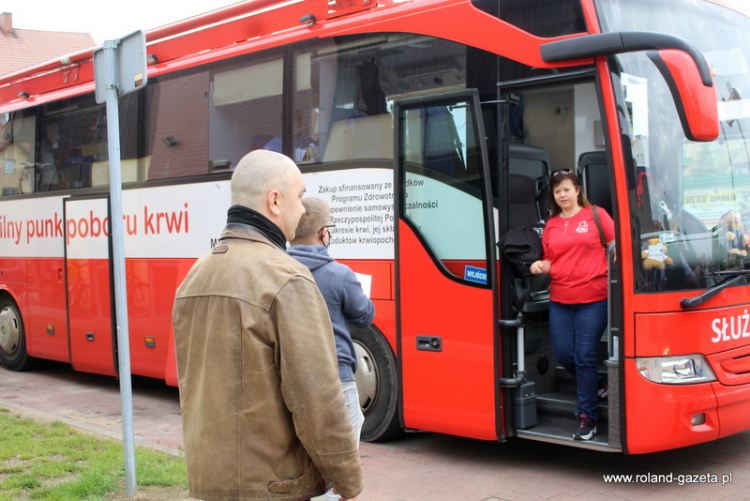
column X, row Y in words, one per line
column 21, row 49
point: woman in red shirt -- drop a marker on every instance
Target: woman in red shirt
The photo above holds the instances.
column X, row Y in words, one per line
column 577, row 264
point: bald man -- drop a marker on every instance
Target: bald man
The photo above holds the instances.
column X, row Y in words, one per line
column 262, row 406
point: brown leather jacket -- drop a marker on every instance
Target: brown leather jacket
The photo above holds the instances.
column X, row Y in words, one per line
column 262, row 406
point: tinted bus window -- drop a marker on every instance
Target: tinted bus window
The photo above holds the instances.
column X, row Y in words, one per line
column 134, row 159
column 73, row 136
column 443, row 182
column 180, row 126
column 306, row 114
column 73, row 149
column 344, row 92
column 245, row 110
column 17, row 152
column 544, row 18
column 539, row 17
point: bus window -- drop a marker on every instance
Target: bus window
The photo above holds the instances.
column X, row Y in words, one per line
column 442, row 192
column 690, row 201
column 541, row 17
column 245, row 110
column 306, row 113
column 180, row 126
column 344, row 92
column 555, row 127
column 134, row 150
column 17, row 143
column 73, row 137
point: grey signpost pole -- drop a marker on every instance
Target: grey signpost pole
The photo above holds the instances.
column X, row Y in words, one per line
column 120, row 67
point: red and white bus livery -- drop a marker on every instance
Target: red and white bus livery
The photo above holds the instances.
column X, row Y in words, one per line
column 431, row 127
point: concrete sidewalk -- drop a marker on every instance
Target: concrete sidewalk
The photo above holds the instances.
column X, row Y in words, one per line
column 419, row 467
column 92, row 403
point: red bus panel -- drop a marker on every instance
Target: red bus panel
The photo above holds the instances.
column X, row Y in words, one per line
column 658, row 416
column 44, row 313
column 450, row 391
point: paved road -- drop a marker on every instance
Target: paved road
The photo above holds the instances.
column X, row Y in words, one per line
column 420, row 467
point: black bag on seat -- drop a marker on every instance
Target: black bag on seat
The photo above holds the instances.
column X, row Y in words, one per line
column 521, row 247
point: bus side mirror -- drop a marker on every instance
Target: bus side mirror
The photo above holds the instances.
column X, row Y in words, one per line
column 683, row 66
column 696, row 103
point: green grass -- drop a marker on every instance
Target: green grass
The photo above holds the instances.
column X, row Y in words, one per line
column 51, row 461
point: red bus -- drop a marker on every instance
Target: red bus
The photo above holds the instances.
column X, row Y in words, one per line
column 431, row 127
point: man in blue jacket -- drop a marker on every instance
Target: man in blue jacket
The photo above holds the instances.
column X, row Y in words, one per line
column 342, row 292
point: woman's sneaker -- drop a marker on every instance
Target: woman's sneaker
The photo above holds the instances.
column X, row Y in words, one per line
column 586, row 427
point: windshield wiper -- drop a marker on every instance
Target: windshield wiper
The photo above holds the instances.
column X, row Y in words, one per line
column 731, row 273
column 736, row 277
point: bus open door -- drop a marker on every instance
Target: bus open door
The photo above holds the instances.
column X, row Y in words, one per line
column 445, row 277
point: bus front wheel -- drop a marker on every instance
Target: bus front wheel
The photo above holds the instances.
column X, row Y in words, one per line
column 377, row 384
column 13, row 353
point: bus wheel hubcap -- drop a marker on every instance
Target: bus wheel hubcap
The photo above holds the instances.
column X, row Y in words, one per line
column 367, row 377
column 10, row 333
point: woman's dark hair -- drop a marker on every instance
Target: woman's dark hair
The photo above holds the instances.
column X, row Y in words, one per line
column 558, row 177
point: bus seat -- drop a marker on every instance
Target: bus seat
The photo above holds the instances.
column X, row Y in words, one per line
column 594, row 171
column 360, row 137
column 523, row 209
column 533, row 162
column 543, row 197
column 531, row 291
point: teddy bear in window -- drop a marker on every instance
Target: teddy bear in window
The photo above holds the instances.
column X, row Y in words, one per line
column 655, row 255
column 737, row 239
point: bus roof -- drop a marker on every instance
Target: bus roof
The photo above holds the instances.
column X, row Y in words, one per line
column 262, row 24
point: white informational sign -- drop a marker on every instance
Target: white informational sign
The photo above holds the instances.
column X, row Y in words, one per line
column 451, row 220
column 361, row 203
column 183, row 221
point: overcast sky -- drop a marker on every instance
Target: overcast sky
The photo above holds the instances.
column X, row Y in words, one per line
column 103, row 19
column 109, row 19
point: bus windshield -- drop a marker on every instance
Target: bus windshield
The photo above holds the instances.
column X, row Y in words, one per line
column 690, row 201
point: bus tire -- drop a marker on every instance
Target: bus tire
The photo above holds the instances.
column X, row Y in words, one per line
column 377, row 384
column 13, row 353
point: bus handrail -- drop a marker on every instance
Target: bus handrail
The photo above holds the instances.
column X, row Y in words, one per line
column 612, row 340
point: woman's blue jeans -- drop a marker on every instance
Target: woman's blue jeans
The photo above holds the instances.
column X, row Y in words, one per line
column 575, row 330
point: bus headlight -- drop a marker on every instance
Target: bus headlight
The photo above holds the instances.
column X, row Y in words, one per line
column 685, row 369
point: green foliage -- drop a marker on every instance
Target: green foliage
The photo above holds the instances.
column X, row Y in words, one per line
column 52, row 462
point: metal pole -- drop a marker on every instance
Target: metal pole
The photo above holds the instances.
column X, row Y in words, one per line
column 118, row 264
